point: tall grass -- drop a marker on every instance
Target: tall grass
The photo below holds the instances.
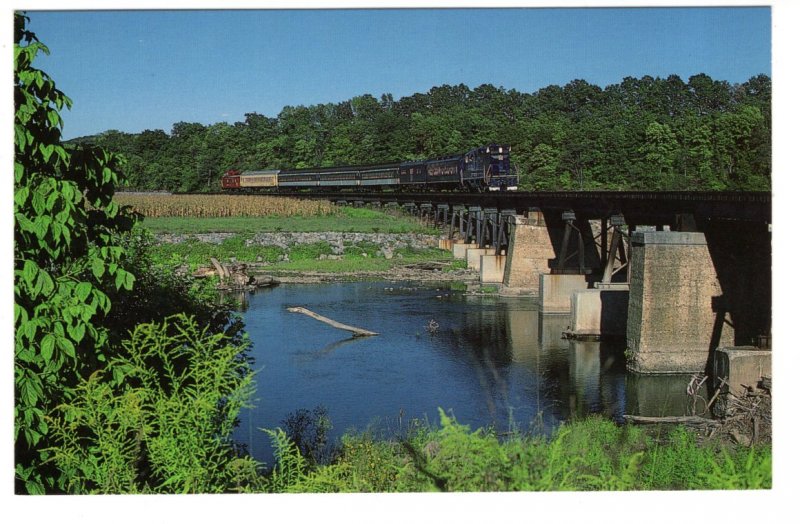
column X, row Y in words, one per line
column 593, row 454
column 158, row 418
column 219, row 206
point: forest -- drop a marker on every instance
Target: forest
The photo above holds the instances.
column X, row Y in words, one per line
column 641, row 134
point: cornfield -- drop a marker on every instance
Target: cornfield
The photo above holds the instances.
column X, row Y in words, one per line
column 156, row 205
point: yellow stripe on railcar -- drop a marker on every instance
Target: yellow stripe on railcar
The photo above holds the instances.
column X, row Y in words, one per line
column 259, row 179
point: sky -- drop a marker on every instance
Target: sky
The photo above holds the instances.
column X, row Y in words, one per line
column 136, row 70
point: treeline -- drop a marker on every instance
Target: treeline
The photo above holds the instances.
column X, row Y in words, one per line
column 645, row 133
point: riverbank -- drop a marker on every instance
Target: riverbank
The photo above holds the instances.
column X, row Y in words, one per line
column 312, row 257
column 587, row 455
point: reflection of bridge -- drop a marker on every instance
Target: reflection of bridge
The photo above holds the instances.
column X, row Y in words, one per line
column 678, row 274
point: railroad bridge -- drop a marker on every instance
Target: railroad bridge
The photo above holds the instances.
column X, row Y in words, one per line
column 677, row 274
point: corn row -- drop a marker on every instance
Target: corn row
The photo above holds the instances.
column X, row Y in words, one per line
column 218, row 206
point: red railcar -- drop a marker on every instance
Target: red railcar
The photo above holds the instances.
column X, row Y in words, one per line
column 231, row 180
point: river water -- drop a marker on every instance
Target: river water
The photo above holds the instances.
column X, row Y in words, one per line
column 492, row 361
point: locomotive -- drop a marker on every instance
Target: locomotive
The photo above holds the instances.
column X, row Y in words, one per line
column 486, row 168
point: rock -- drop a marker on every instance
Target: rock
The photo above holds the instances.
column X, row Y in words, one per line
column 204, row 272
column 263, row 281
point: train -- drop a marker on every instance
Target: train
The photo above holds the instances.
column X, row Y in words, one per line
column 486, row 168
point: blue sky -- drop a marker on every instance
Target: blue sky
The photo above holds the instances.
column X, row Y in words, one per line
column 136, row 70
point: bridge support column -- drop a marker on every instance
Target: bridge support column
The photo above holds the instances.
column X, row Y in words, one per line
column 460, row 249
column 474, row 257
column 599, row 313
column 529, row 253
column 674, row 316
column 555, row 291
column 446, row 244
column 492, row 268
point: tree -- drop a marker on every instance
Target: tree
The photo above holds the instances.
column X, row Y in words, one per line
column 67, row 255
column 659, row 150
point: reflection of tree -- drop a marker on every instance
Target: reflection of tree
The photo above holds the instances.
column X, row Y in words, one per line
column 239, row 299
column 485, row 340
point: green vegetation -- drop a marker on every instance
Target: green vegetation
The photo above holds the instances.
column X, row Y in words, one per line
column 641, row 133
column 158, row 417
column 68, row 257
column 593, row 454
column 98, row 408
column 351, row 220
column 360, row 256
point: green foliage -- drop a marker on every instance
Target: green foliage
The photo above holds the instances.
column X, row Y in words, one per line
column 683, row 464
column 290, row 465
column 591, row 454
column 371, row 223
column 160, row 292
column 158, row 417
column 67, row 254
column 196, row 253
column 309, row 432
column 642, row 133
column 309, row 251
column 301, row 257
column 456, row 265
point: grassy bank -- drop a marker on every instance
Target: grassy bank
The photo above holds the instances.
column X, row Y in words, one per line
column 360, row 256
column 346, row 219
column 593, row 454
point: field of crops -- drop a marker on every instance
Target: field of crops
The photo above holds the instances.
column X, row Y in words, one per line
column 155, row 205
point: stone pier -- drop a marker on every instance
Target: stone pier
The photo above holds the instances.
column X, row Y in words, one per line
column 529, row 253
column 675, row 315
column 492, row 269
column 599, row 313
column 474, row 257
column 555, row 291
column 460, row 250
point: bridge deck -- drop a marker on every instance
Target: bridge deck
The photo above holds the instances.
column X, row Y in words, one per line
column 642, row 207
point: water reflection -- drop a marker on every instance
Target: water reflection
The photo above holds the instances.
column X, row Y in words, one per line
column 493, row 361
column 240, row 299
column 658, row 395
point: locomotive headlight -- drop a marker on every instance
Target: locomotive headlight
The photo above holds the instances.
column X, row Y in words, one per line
column 501, row 149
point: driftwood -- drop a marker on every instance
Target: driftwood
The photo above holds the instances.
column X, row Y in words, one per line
column 234, row 277
column 691, row 420
column 221, row 270
column 357, row 332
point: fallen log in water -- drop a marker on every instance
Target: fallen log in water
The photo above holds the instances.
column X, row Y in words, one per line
column 357, row 332
column 221, row 270
column 689, row 420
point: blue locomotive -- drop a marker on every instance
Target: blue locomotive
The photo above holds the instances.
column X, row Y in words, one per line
column 486, row 168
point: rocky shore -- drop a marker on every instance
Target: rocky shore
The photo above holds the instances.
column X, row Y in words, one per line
column 381, row 245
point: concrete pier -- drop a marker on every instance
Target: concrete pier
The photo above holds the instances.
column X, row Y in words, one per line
column 474, row 257
column 555, row 291
column 599, row 313
column 529, row 253
column 675, row 318
column 460, row 250
column 446, row 244
column 492, row 269
column 741, row 366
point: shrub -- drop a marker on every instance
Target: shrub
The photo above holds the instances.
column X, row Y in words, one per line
column 158, row 418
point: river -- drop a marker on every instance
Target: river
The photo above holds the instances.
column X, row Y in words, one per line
column 491, row 361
